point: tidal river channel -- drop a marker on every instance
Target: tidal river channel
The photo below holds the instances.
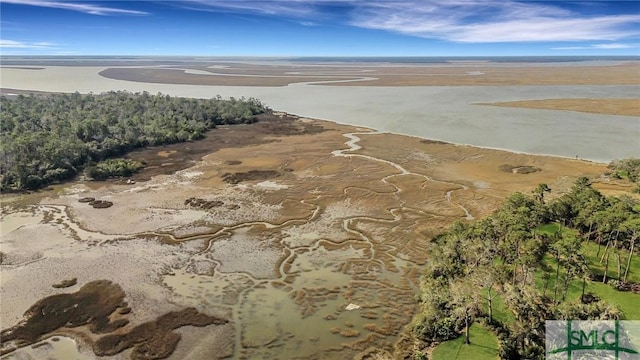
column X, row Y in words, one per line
column 447, row 113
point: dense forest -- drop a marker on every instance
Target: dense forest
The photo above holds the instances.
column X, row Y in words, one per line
column 531, row 260
column 48, row 138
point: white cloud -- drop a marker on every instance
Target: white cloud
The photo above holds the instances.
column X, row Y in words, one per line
column 491, row 21
column 81, row 7
column 477, row 21
column 303, row 12
column 290, row 8
column 615, row 46
column 608, row 46
column 12, row 44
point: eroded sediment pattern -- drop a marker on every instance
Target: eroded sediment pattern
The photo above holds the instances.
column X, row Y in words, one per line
column 279, row 236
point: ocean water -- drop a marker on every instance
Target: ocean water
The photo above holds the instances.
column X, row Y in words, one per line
column 454, row 59
column 75, row 60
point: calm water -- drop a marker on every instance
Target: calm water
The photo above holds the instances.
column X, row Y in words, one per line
column 24, row 60
column 443, row 113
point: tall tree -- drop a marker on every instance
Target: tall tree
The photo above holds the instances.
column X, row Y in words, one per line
column 539, row 192
column 464, row 299
column 488, row 280
column 632, row 227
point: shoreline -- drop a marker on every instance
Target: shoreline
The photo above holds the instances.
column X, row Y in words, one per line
column 379, row 132
column 11, row 196
column 3, row 90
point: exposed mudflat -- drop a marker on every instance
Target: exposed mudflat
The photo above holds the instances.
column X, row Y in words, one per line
column 314, row 250
column 460, row 74
column 167, row 159
column 99, row 305
column 629, row 107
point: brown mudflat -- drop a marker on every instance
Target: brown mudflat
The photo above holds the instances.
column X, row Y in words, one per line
column 154, row 339
column 94, row 305
column 170, row 76
column 167, row 159
column 362, row 74
column 629, row 107
column 91, row 305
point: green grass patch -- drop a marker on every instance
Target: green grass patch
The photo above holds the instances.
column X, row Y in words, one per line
column 548, row 229
column 551, row 264
column 501, row 313
column 113, row 168
column 552, row 228
column 627, row 302
column 590, row 250
column 484, row 345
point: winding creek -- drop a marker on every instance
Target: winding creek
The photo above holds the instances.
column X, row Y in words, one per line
column 353, row 146
column 315, row 276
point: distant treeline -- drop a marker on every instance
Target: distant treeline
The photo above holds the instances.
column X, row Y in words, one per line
column 48, row 138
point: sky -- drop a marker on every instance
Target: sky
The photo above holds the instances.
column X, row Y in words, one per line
column 320, row 27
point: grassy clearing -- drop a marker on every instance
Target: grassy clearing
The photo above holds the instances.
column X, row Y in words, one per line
column 501, row 313
column 590, row 250
column 551, row 228
column 626, row 301
column 593, row 256
column 484, row 345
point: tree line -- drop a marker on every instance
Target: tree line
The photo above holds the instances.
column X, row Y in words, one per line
column 509, row 256
column 48, row 138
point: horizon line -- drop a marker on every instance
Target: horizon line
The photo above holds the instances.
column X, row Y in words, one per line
column 319, row 56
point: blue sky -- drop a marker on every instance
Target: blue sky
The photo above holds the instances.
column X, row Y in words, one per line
column 320, row 28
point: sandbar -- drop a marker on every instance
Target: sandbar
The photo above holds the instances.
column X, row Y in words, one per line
column 628, row 107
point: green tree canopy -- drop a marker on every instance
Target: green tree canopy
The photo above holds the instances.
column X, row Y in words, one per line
column 47, row 138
